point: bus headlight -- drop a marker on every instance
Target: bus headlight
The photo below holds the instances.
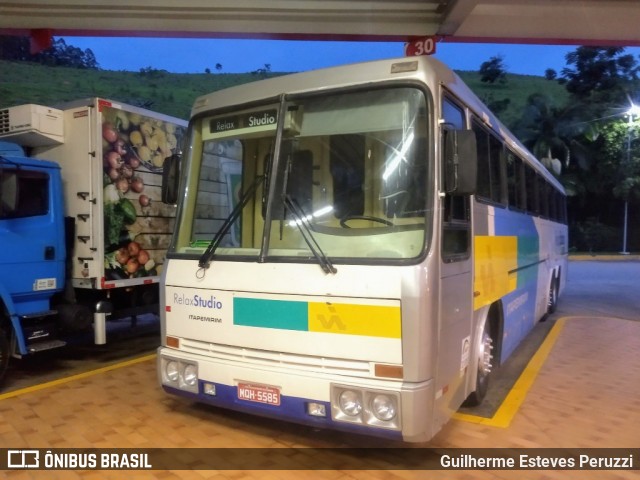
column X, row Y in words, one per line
column 350, row 403
column 179, row 374
column 383, row 407
column 367, row 407
column 190, row 375
column 171, row 371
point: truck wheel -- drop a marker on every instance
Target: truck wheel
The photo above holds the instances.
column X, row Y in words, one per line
column 4, row 354
column 74, row 317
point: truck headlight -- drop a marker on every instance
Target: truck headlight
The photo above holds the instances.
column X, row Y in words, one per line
column 383, row 407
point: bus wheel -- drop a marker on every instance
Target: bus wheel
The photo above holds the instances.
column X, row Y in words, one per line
column 485, row 345
column 552, row 302
column 4, row 354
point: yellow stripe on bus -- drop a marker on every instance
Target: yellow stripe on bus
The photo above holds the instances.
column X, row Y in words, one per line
column 347, row 319
column 495, row 256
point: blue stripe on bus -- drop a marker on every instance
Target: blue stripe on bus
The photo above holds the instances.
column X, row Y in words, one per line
column 519, row 305
column 292, row 409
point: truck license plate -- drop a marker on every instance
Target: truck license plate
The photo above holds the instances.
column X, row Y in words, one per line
column 259, row 393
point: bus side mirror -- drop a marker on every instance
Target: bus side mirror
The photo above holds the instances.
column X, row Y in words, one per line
column 460, row 162
column 8, row 193
column 171, row 179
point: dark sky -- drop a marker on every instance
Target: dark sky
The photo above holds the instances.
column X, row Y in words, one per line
column 239, row 56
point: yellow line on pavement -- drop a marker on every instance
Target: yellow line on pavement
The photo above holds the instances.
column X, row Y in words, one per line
column 78, row 376
column 511, row 404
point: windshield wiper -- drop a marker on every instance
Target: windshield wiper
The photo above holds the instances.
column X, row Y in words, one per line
column 205, row 259
column 302, row 222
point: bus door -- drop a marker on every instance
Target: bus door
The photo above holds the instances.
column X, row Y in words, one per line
column 456, row 281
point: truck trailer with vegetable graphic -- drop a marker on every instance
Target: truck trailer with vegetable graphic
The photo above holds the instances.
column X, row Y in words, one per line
column 117, row 228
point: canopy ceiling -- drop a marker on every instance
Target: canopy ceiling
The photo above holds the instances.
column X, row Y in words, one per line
column 572, row 22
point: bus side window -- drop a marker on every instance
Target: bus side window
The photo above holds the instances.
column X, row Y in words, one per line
column 456, row 219
column 490, row 184
column 532, row 191
column 515, row 182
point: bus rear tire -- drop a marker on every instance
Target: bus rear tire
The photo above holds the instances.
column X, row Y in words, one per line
column 552, row 303
column 484, row 347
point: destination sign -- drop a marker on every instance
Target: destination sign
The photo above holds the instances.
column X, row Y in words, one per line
column 245, row 120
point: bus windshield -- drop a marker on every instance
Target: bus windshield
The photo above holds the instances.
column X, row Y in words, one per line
column 350, row 183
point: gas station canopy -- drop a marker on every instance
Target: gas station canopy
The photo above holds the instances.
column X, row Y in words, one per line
column 571, row 22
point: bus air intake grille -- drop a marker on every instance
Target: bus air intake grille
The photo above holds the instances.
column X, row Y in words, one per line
column 276, row 360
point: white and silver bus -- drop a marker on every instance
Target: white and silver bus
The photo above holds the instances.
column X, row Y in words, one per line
column 355, row 248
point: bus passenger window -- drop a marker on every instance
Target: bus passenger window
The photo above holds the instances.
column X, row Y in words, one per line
column 543, row 198
column 532, row 191
column 515, row 182
column 490, row 153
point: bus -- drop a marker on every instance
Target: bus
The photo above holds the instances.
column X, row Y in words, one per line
column 355, row 249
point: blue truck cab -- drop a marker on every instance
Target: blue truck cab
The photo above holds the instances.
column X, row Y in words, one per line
column 32, row 253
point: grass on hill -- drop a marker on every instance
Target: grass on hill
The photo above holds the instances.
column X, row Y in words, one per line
column 174, row 93
column 160, row 91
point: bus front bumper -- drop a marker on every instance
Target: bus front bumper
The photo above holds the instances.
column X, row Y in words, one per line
column 382, row 408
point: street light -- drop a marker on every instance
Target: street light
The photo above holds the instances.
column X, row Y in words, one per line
column 634, row 111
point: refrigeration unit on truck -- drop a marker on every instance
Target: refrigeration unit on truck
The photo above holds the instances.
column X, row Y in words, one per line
column 117, row 230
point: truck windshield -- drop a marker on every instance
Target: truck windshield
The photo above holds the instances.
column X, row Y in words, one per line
column 352, row 167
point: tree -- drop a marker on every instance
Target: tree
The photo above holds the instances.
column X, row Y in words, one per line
column 620, row 160
column 587, row 137
column 600, row 75
column 263, row 72
column 496, row 106
column 553, row 132
column 493, row 70
column 14, row 48
column 60, row 54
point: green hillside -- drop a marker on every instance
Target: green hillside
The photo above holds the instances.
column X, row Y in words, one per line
column 168, row 93
column 173, row 93
column 517, row 89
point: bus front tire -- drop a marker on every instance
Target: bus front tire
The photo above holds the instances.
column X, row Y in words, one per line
column 484, row 357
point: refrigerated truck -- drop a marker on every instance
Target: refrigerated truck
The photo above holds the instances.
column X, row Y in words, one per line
column 110, row 157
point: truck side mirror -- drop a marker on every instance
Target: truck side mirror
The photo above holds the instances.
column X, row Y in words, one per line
column 460, row 162
column 8, row 193
column 171, row 179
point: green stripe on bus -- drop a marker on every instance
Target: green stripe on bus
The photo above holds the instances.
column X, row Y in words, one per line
column 255, row 312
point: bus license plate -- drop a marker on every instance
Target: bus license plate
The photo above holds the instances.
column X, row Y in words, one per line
column 259, row 393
